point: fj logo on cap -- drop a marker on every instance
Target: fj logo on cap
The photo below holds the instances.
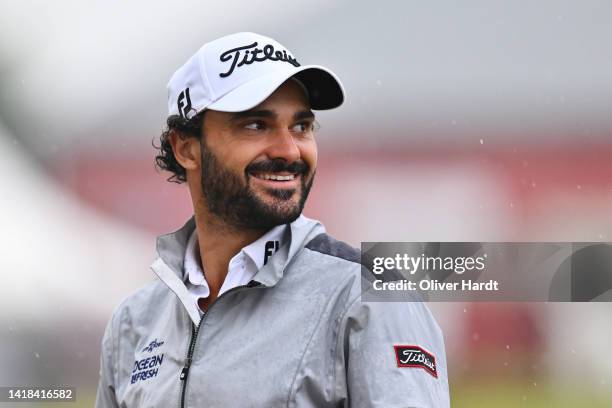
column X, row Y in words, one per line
column 415, row 357
column 248, row 54
column 184, row 103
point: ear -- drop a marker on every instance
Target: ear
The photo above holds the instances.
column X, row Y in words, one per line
column 186, row 150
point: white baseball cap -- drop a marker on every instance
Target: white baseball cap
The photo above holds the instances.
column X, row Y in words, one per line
column 239, row 71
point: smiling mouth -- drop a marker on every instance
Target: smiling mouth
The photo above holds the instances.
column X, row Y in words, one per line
column 275, row 176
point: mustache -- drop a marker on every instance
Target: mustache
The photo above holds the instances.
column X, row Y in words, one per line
column 277, row 166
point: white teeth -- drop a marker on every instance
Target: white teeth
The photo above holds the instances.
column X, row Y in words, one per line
column 276, row 177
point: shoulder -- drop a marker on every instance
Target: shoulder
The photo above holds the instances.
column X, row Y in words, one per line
column 138, row 304
column 327, row 245
column 127, row 314
column 365, row 301
column 335, row 266
column 336, row 261
column 339, row 259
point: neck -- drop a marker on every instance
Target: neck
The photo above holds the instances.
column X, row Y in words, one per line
column 218, row 243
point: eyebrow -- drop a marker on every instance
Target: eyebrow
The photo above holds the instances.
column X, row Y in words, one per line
column 306, row 114
column 265, row 113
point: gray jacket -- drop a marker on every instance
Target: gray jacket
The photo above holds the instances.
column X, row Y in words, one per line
column 298, row 335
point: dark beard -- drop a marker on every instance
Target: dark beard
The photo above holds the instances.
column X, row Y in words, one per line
column 230, row 198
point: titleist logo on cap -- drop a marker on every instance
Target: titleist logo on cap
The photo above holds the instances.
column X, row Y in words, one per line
column 237, row 72
column 248, row 54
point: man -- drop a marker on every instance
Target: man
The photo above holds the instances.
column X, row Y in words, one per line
column 256, row 306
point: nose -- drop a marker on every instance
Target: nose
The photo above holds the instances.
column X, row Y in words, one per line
column 283, row 146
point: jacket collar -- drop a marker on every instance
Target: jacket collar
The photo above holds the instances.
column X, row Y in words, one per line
column 168, row 265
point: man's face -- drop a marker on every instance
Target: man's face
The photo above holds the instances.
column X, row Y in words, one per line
column 258, row 165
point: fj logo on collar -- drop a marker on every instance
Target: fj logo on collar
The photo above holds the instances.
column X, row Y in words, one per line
column 248, row 54
column 270, row 249
column 415, row 357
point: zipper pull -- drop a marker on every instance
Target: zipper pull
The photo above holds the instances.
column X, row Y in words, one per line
column 184, row 372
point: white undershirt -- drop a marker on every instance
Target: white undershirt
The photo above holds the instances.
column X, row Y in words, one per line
column 242, row 267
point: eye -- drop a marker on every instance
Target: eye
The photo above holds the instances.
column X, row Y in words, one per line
column 304, row 127
column 255, row 125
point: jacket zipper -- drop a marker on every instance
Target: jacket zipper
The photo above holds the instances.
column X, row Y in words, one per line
column 194, row 336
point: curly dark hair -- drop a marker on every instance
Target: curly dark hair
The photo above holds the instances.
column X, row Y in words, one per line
column 185, row 128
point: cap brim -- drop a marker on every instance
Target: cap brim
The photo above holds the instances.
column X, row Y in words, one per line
column 325, row 90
